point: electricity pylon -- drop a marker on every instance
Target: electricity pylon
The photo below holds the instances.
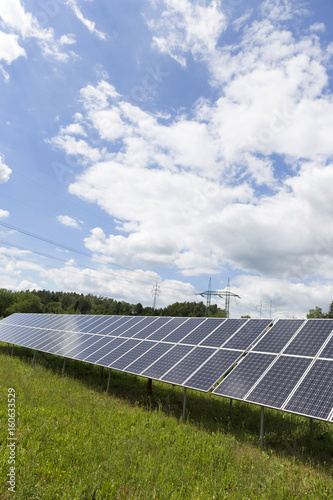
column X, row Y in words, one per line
column 219, row 293
column 155, row 293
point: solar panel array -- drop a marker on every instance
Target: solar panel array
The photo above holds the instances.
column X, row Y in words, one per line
column 287, row 367
column 190, row 352
column 290, row 368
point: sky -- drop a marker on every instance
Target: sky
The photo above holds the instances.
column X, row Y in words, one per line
column 157, row 144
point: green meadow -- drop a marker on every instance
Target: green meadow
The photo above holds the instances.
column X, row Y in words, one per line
column 75, row 441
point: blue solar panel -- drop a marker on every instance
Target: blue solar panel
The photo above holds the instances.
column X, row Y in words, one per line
column 213, row 370
column 136, row 326
column 278, row 336
column 237, row 384
column 185, row 368
column 328, row 350
column 149, row 358
column 223, row 332
column 104, row 325
column 247, row 334
column 99, row 343
column 119, row 351
column 132, row 355
column 178, row 334
column 119, row 327
column 200, row 333
column 160, row 367
column 150, row 328
column 103, row 351
column 314, row 396
column 310, row 338
column 274, row 388
column 171, row 325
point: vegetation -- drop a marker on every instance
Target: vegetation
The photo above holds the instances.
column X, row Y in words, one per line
column 317, row 312
column 75, row 441
column 74, row 303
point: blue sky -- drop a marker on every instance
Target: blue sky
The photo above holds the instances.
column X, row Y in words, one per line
column 164, row 141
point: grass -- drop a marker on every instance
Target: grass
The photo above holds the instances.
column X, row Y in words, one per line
column 75, row 441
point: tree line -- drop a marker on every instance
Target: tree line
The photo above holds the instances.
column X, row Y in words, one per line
column 317, row 312
column 44, row 301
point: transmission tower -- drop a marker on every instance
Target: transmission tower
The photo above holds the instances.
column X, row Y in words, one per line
column 155, row 293
column 219, row 293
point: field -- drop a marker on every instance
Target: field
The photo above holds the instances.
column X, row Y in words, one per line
column 75, row 441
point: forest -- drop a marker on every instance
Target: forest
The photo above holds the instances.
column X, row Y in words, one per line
column 44, row 301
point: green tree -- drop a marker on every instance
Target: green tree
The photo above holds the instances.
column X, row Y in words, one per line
column 330, row 311
column 316, row 313
column 25, row 302
column 6, row 300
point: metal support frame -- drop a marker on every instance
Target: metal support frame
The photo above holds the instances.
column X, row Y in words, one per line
column 12, row 353
column 261, row 439
column 311, row 426
column 33, row 359
column 64, row 366
column 109, row 378
column 230, row 406
column 102, row 371
column 184, row 406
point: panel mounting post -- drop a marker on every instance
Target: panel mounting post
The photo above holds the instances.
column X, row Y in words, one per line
column 33, row 359
column 261, row 439
column 64, row 365
column 109, row 378
column 102, row 371
column 12, row 353
column 184, row 406
column 311, row 426
column 230, row 406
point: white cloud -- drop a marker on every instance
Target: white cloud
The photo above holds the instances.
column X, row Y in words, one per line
column 69, row 221
column 4, row 214
column 10, row 49
column 23, row 24
column 5, row 171
column 87, row 23
column 183, row 27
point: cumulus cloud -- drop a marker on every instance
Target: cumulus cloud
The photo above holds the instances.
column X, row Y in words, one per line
column 5, row 171
column 23, row 25
column 4, row 214
column 66, row 220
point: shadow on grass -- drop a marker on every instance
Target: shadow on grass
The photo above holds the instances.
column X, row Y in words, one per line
column 286, row 435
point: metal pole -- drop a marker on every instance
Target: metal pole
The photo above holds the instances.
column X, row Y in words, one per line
column 12, row 353
column 230, row 406
column 102, row 371
column 184, row 406
column 261, row 440
column 64, row 365
column 33, row 359
column 109, row 378
column 311, row 426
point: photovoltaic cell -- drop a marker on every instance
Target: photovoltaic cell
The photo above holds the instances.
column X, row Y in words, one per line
column 104, row 325
column 149, row 329
column 314, row 396
column 278, row 336
column 200, row 333
column 328, row 350
column 116, row 353
column 160, row 367
column 123, row 324
column 223, row 332
column 279, row 381
column 237, row 384
column 132, row 355
column 149, row 358
column 100, row 342
column 247, row 334
column 167, row 328
column 310, row 338
column 102, row 352
column 188, row 365
column 182, row 330
column 213, row 370
column 137, row 325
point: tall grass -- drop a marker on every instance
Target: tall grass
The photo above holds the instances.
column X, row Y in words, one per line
column 75, row 441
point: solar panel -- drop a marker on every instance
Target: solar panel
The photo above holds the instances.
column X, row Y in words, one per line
column 278, row 336
column 310, row 338
column 185, row 368
column 212, row 370
column 135, row 353
column 109, row 358
column 151, row 327
column 104, row 325
column 178, row 334
column 247, row 334
column 167, row 328
column 149, row 358
column 328, row 350
column 139, row 325
column 200, row 333
column 274, row 388
column 314, row 396
column 223, row 332
column 113, row 343
column 100, row 342
column 237, row 384
column 160, row 367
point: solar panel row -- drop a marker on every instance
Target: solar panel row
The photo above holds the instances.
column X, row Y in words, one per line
column 182, row 351
column 290, row 368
